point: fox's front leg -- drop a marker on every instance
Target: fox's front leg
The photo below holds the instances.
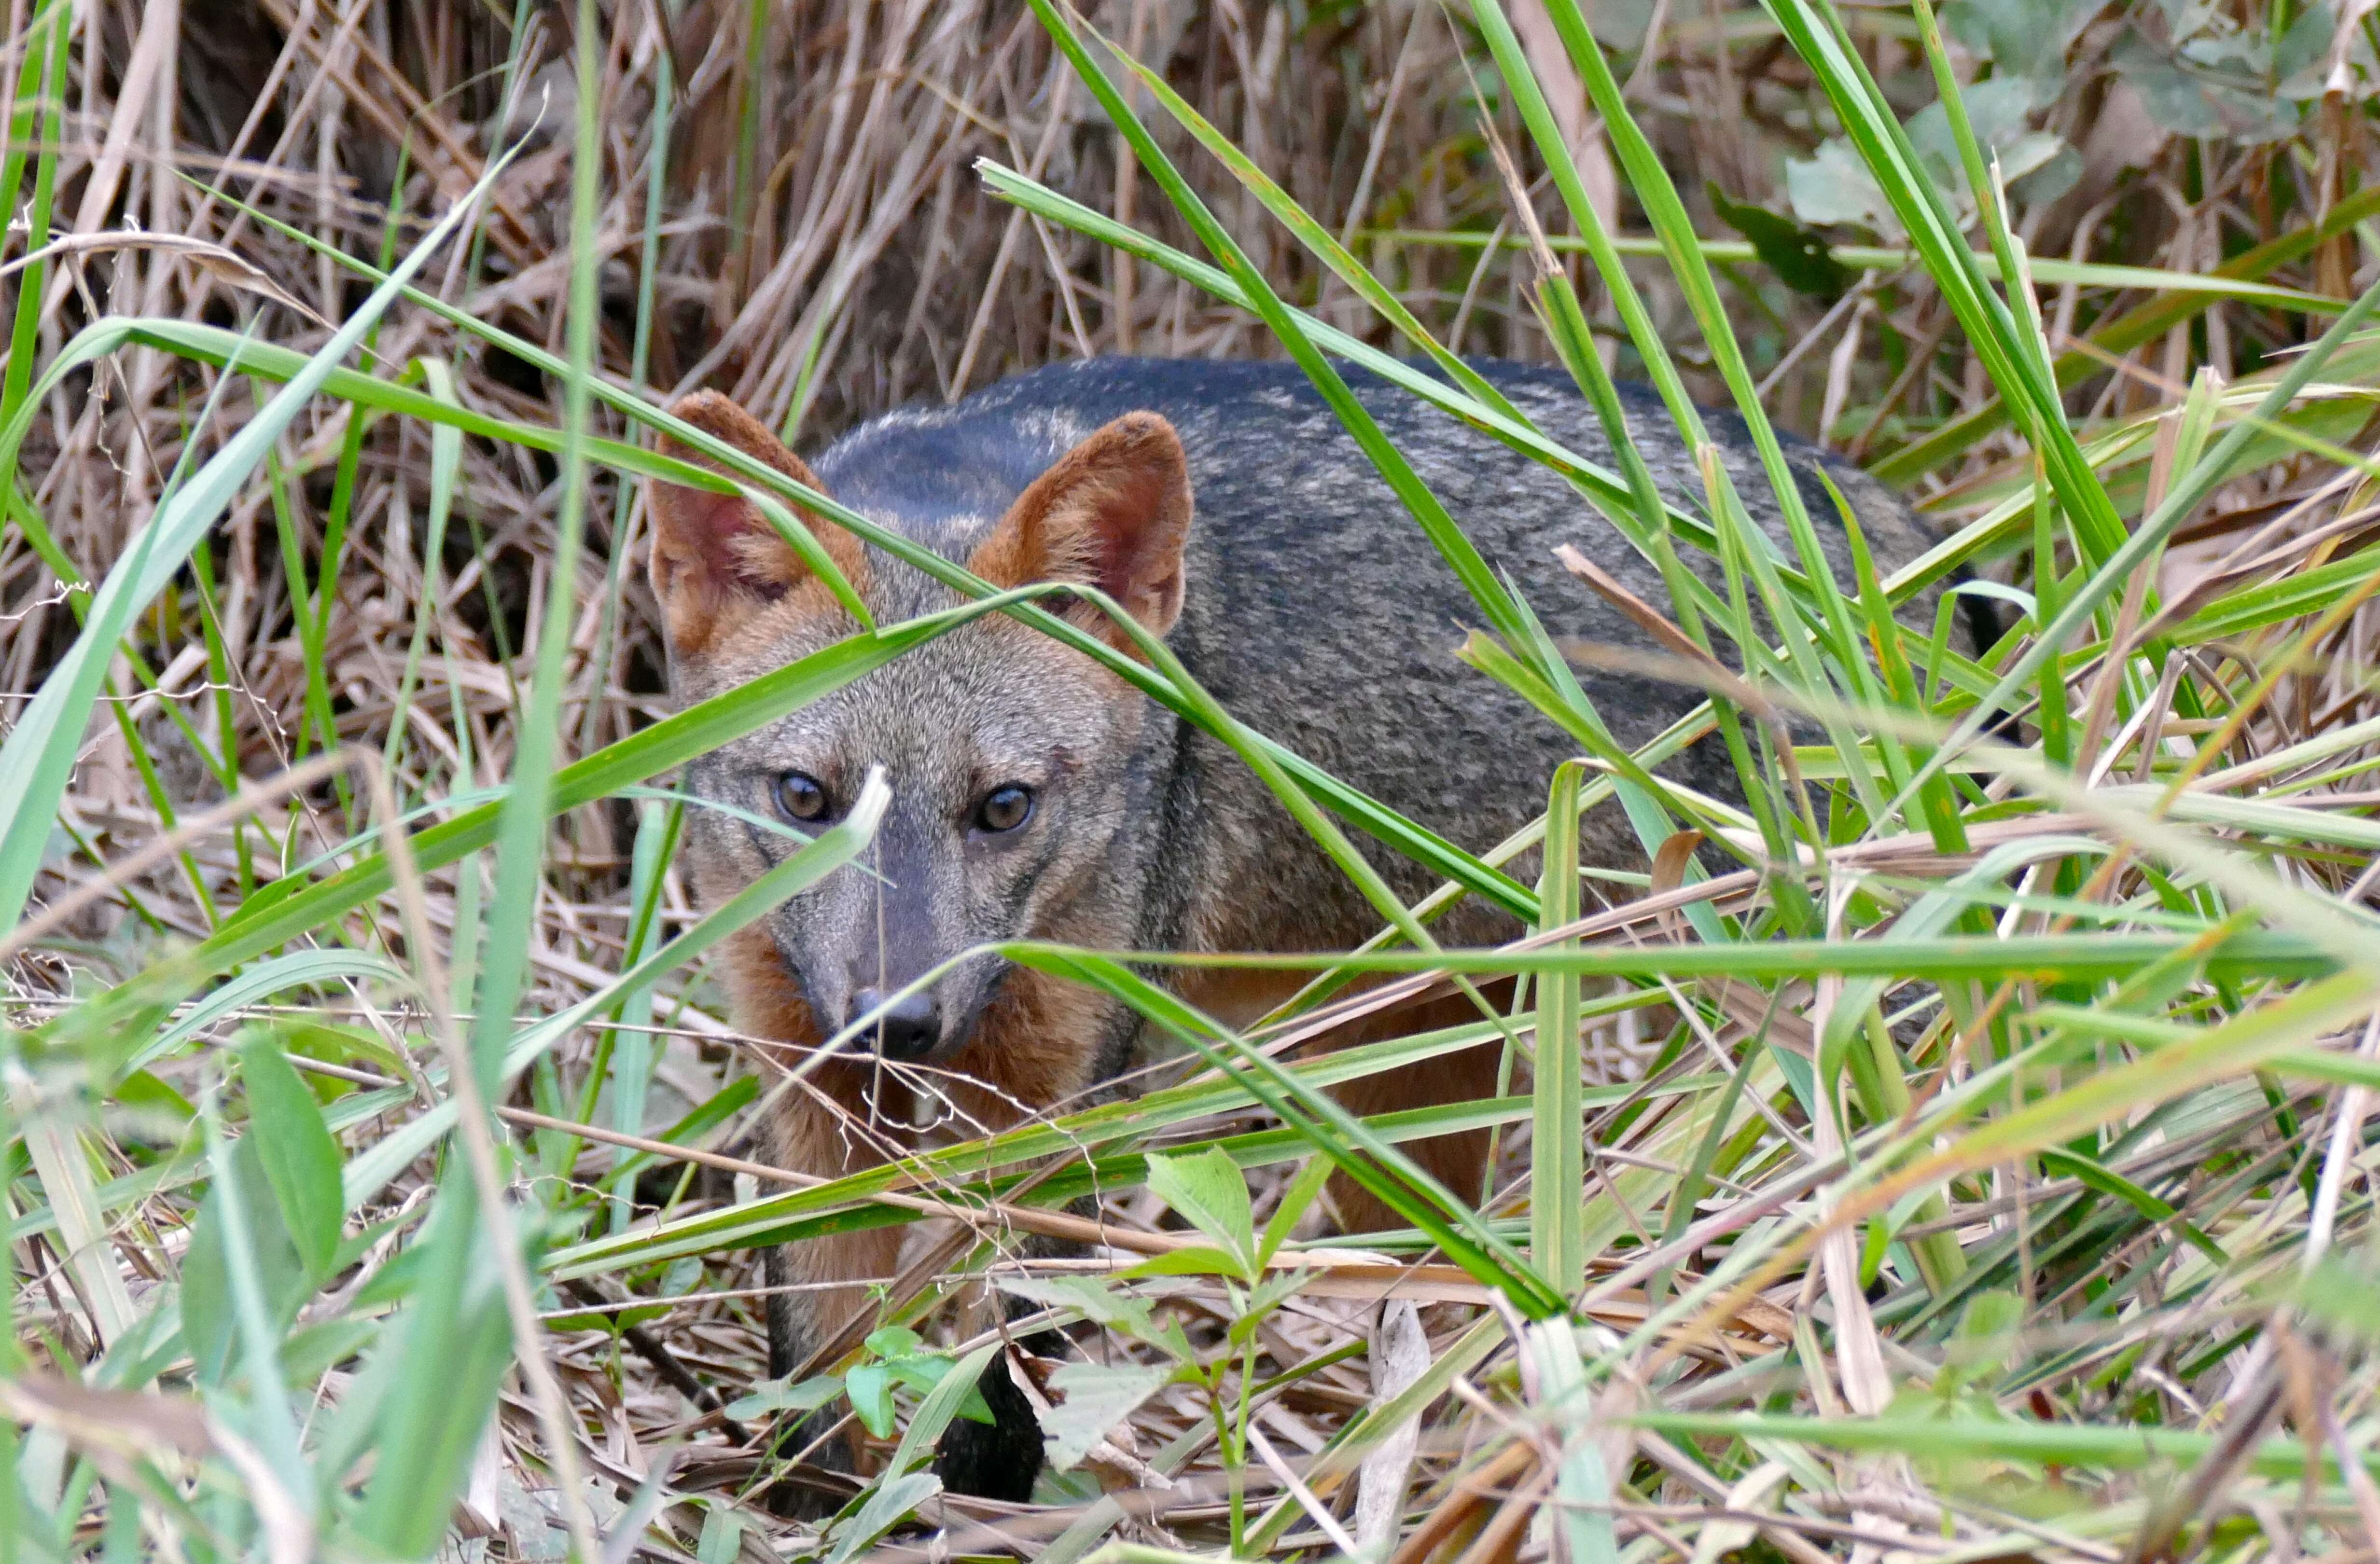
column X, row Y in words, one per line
column 820, row 1285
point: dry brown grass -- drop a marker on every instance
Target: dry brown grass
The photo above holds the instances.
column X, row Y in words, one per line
column 825, row 253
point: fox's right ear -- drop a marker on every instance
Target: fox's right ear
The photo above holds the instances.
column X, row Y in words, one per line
column 1113, row 513
column 716, row 559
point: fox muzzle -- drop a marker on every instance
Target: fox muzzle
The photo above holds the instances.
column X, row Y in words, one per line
column 906, row 1031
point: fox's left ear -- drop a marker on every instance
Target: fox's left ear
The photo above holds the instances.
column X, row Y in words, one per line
column 716, row 560
column 1113, row 513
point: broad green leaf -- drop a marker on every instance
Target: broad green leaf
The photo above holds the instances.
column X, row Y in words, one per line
column 870, row 1385
column 888, row 1504
column 1198, row 1259
column 1097, row 1398
column 1207, row 1190
column 1557, row 1148
column 367, row 1174
column 950, row 1395
column 266, row 978
column 894, row 1341
column 429, row 1424
column 1094, row 1299
column 1300, row 1194
column 210, row 1295
column 299, row 1158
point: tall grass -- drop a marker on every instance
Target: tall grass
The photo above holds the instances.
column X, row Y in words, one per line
column 1979, row 1168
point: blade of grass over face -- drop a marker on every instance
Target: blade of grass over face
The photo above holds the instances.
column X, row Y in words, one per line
column 831, row 850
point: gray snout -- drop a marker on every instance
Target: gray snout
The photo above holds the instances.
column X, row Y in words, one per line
column 910, row 1030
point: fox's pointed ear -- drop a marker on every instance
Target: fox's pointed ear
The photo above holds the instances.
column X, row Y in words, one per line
column 1113, row 513
column 716, row 559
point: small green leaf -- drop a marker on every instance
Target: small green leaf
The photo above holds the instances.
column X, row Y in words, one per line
column 1098, row 1303
column 210, row 1318
column 1293, row 1202
column 871, row 1388
column 1261, row 1299
column 1208, row 1191
column 337, row 1045
column 1983, row 1345
column 1872, row 1250
column 1832, row 185
column 927, row 1371
column 145, row 1093
column 1797, row 254
column 1201, row 1259
column 778, row 1395
column 2026, row 39
column 723, row 1535
column 894, row 1341
column 955, row 1391
column 919, row 1371
column 886, row 1505
column 1989, row 1314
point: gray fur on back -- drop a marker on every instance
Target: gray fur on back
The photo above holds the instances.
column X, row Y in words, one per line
column 1319, row 613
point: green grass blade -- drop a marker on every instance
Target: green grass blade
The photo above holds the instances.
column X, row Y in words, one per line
column 1556, row 1156
column 520, row 832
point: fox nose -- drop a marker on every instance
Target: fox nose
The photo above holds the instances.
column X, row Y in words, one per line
column 905, row 1032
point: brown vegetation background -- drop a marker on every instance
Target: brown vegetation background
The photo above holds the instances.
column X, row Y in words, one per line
column 824, row 250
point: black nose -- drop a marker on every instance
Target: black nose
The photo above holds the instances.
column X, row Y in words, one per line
column 908, row 1030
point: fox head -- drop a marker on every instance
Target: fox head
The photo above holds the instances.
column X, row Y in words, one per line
column 1009, row 755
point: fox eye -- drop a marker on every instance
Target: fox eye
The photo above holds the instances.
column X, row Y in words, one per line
column 1005, row 808
column 801, row 796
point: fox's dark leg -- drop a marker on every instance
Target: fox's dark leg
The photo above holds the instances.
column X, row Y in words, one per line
column 776, row 1274
column 827, row 1278
column 1003, row 1459
column 1044, row 1042
column 997, row 1460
